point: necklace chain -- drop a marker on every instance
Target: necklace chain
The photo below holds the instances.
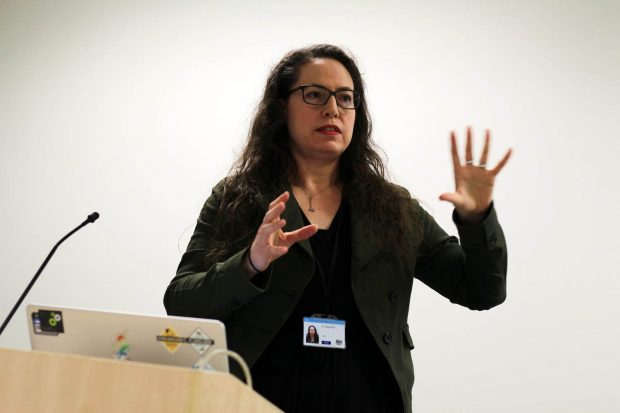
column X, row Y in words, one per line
column 310, row 208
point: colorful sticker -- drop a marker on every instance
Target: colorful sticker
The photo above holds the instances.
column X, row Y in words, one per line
column 48, row 322
column 170, row 339
column 198, row 339
column 121, row 347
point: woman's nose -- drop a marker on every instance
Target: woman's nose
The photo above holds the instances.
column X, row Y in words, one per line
column 330, row 109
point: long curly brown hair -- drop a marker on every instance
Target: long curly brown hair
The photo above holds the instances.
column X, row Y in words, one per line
column 266, row 163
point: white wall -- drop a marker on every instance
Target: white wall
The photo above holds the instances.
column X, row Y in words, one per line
column 135, row 109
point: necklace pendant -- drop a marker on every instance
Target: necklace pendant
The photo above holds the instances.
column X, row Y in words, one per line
column 311, row 209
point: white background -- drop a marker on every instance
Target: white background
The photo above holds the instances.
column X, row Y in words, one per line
column 136, row 109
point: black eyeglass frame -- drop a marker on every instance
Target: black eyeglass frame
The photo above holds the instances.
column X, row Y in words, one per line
column 356, row 96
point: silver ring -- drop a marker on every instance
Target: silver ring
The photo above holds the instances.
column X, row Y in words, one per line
column 470, row 162
column 483, row 165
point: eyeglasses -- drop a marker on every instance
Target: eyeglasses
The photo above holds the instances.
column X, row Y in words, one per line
column 318, row 95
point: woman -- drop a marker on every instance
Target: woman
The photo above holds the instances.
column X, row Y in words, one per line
column 312, row 336
column 308, row 226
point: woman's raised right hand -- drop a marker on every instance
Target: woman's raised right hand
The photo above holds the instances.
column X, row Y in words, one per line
column 271, row 242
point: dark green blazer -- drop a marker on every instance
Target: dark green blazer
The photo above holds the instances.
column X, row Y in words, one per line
column 472, row 274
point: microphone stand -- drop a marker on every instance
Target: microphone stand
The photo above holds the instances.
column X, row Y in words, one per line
column 91, row 218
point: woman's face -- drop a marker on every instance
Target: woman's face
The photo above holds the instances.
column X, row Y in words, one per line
column 311, row 331
column 320, row 132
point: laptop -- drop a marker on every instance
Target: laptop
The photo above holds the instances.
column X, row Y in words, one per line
column 176, row 341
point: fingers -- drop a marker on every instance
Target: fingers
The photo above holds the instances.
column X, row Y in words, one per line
column 274, row 212
column 301, row 234
column 276, row 207
column 282, row 198
column 501, row 163
column 484, row 157
column 270, row 228
column 469, row 156
column 485, row 150
column 456, row 162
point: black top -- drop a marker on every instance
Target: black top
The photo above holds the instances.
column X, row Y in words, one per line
column 309, row 379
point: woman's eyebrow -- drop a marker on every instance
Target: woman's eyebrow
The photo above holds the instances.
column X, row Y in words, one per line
column 325, row 87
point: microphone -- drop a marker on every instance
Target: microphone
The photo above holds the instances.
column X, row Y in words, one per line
column 91, row 218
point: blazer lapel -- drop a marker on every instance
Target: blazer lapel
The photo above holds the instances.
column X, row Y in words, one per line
column 363, row 247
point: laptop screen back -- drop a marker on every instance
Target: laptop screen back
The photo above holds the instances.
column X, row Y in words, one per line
column 176, row 341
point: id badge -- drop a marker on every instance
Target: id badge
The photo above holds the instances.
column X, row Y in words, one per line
column 324, row 333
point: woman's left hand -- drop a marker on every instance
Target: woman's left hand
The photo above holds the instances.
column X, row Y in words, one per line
column 474, row 183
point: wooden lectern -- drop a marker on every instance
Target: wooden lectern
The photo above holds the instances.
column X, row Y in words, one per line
column 32, row 381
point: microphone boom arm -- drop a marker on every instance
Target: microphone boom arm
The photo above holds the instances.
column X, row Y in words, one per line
column 91, row 218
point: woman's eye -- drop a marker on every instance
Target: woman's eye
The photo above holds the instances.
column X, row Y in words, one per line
column 315, row 94
column 346, row 98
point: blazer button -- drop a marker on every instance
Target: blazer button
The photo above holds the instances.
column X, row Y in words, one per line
column 387, row 337
column 394, row 296
column 493, row 240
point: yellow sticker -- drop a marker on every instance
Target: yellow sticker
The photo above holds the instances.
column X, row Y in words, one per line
column 170, row 339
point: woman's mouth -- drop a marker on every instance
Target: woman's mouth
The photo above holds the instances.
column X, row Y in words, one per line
column 330, row 130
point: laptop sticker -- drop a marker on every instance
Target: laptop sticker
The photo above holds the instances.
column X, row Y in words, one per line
column 170, row 339
column 198, row 365
column 48, row 322
column 200, row 341
column 121, row 347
